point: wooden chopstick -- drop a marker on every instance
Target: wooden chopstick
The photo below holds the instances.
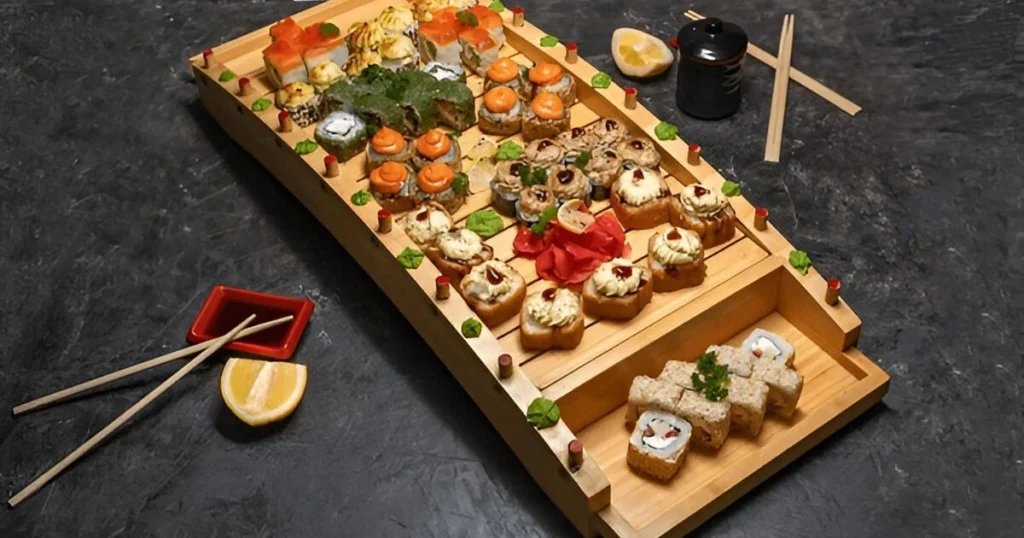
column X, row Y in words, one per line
column 127, row 415
column 45, row 401
column 798, row 76
column 777, row 117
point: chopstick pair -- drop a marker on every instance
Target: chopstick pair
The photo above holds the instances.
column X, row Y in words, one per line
column 208, row 348
column 777, row 117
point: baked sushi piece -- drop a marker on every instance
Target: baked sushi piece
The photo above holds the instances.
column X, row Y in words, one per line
column 607, row 133
column 387, row 145
column 617, row 290
column 391, row 185
column 569, row 183
column 443, row 71
column 284, row 64
column 364, row 36
column 738, row 360
column 360, row 60
column 342, row 134
column 770, row 347
column 437, row 146
column 479, row 49
column 784, row 386
column 397, row 21
column 398, row 52
column 456, row 105
column 489, row 20
column 551, row 319
column 438, row 41
column 544, row 152
column 646, row 393
column 325, row 74
column 748, row 400
column 658, row 445
column 533, row 200
column 301, row 101
column 456, row 252
column 640, row 152
column 603, row 168
column 641, row 199
column 506, row 186
column 678, row 373
column 495, row 291
column 705, row 211
column 710, row 420
column 676, row 259
column 548, row 77
column 509, row 73
column 438, row 183
column 546, row 117
column 425, row 223
column 501, row 112
column 576, row 141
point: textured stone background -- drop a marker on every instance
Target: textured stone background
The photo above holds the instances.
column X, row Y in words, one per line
column 122, row 203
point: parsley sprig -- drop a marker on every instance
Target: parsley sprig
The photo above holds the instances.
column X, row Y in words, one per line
column 711, row 379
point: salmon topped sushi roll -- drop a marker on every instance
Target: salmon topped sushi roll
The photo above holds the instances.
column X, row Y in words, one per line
column 325, row 44
column 286, row 30
column 479, row 50
column 439, row 41
column 284, row 64
column 489, row 20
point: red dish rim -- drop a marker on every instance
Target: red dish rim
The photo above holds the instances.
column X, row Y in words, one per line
column 302, row 309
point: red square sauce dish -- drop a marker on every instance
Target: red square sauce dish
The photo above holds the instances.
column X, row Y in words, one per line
column 227, row 307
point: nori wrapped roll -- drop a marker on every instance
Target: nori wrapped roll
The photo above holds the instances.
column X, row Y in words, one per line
column 456, row 105
column 341, row 134
column 381, row 111
column 415, row 92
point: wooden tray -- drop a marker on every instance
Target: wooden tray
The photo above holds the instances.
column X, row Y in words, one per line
column 749, row 284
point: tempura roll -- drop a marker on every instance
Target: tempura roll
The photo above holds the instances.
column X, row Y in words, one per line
column 658, row 445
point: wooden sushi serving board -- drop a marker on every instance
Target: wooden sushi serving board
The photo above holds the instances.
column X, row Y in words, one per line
column 749, row 284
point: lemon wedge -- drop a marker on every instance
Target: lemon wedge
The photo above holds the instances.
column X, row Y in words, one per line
column 261, row 392
column 573, row 216
column 639, row 54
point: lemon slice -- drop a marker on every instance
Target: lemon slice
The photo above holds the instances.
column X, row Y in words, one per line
column 261, row 392
column 572, row 217
column 639, row 54
column 480, row 176
column 484, row 149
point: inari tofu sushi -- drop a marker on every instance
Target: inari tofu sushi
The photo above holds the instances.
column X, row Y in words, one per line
column 748, row 400
column 391, row 185
column 437, row 182
column 301, row 101
column 705, row 211
column 489, row 20
column 784, row 386
column 617, row 290
column 425, row 223
column 710, row 420
column 506, row 72
column 341, row 134
column 456, row 106
column 443, row 71
column 676, row 259
column 479, row 50
column 551, row 78
column 546, row 117
column 284, row 64
column 387, row 145
column 437, row 146
column 658, row 445
column 647, row 393
column 439, row 41
column 398, row 52
column 770, row 347
column 325, row 44
column 501, row 112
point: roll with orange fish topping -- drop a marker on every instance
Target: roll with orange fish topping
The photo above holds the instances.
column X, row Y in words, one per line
column 546, row 117
column 391, row 185
column 387, row 145
column 506, row 72
column 437, row 182
column 437, row 146
column 551, row 78
column 479, row 49
column 501, row 112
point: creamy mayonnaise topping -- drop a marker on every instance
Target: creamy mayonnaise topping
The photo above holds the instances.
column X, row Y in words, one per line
column 676, row 246
column 325, row 74
column 702, row 201
column 560, row 310
column 294, row 94
column 489, row 280
column 394, row 47
column 425, row 224
column 639, row 186
column 461, row 244
column 616, row 278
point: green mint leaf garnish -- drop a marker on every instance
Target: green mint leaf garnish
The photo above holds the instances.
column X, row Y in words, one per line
column 730, row 188
column 485, row 223
column 461, row 184
column 471, row 328
column 467, row 18
column 508, row 151
column 800, row 261
column 329, row 30
column 548, row 41
column 496, row 6
column 306, row 147
column 226, row 75
column 711, row 379
column 666, row 131
column 410, row 258
column 601, row 81
column 261, row 104
column 582, row 160
column 361, row 198
column 543, row 413
column 546, row 217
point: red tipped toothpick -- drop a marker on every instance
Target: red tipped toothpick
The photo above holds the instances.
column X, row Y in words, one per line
column 518, row 16
column 571, row 53
column 832, row 291
column 443, row 285
column 331, row 168
column 575, row 454
column 693, row 154
column 244, row 87
column 285, row 119
column 384, row 221
column 207, row 54
column 630, row 101
column 761, row 218
column 505, row 366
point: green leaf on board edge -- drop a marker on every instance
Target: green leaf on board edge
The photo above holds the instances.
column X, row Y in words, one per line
column 471, row 328
column 543, row 413
column 548, row 41
column 410, row 258
column 731, row 188
column 496, row 6
column 306, row 147
column 601, row 81
column 666, row 131
column 361, row 198
column 261, row 104
column 800, row 261
column 226, row 75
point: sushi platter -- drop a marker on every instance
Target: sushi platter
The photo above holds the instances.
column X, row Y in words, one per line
column 547, row 240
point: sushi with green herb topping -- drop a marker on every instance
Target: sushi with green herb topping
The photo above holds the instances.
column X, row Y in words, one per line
column 456, row 105
column 301, row 101
column 443, row 71
column 342, row 134
column 380, row 111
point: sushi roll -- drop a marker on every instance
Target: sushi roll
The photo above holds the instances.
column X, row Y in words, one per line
column 607, row 132
column 678, row 373
column 479, row 50
column 398, row 52
column 324, row 44
column 358, row 61
column 707, row 212
column 603, row 168
column 506, row 186
column 646, row 393
column 576, row 141
column 380, row 111
column 284, row 64
column 710, row 420
column 506, row 72
column 494, row 290
column 443, row 71
column 456, row 252
column 437, row 146
column 489, row 20
column 545, row 152
column 738, row 360
column 363, row 36
column 341, row 134
column 397, row 21
column 455, row 105
column 418, row 101
column 769, row 346
column 439, row 41
column 748, row 400
column 324, row 75
column 546, row 117
column 301, row 101
column 784, row 386
column 658, row 445
column 638, row 151
column 640, row 199
column 387, row 145
column 533, row 200
column 551, row 78
column 424, row 224
column 569, row 183
column 391, row 186
column 437, row 183
column 500, row 112
column 286, row 30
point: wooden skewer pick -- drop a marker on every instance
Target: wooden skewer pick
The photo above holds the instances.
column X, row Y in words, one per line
column 207, row 55
column 331, row 168
column 518, row 16
column 125, row 417
column 384, row 221
column 630, row 101
column 761, row 218
column 832, row 291
column 693, row 155
column 244, row 87
column 443, row 288
column 287, row 123
column 571, row 53
column 575, row 454
column 505, row 366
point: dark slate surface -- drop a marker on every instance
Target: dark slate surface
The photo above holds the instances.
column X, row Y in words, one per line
column 123, row 203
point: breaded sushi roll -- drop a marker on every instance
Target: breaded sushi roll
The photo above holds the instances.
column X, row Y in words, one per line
column 507, row 72
column 784, row 386
column 647, row 393
column 769, row 346
column 748, row 401
column 739, row 361
column 437, row 146
column 549, row 77
column 710, row 420
column 387, row 145
column 658, row 445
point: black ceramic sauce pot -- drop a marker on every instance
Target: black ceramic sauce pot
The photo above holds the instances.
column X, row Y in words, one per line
column 710, row 68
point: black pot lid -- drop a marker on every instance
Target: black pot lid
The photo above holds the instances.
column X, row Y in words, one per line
column 712, row 40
